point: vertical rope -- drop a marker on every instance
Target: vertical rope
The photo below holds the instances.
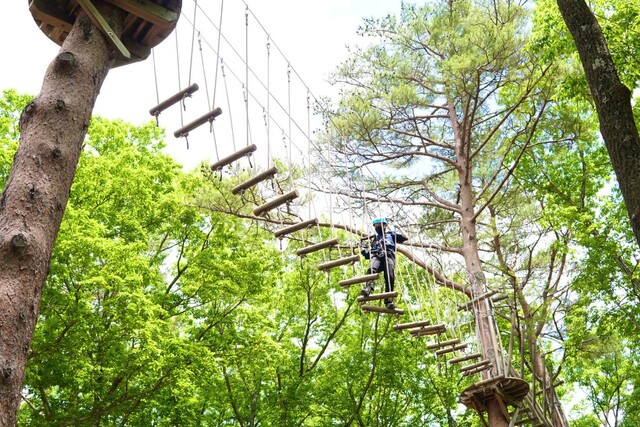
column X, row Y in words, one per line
column 309, row 151
column 178, row 67
column 289, row 117
column 218, row 62
column 268, row 118
column 246, row 69
column 193, row 36
column 226, row 89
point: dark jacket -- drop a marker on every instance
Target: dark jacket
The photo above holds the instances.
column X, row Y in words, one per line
column 381, row 242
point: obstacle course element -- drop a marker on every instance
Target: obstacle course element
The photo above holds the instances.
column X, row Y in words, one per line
column 274, row 203
column 492, row 294
column 209, row 117
column 146, row 24
column 428, row 330
column 295, row 227
column 338, row 262
column 375, row 297
column 269, row 173
column 402, row 326
column 317, row 247
column 510, row 390
column 246, row 151
column 465, row 358
column 475, row 368
column 184, row 93
column 360, row 279
column 441, row 344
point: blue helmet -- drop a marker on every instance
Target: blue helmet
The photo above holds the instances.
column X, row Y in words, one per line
column 379, row 221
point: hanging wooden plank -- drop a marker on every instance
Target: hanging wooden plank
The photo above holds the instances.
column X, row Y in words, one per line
column 318, row 246
column 401, row 326
column 374, row 297
column 376, row 309
column 469, row 305
column 209, row 117
column 428, row 330
column 274, row 203
column 296, row 227
column 450, row 349
column 465, row 358
column 441, row 344
column 269, row 173
column 338, row 262
column 246, row 151
column 476, row 365
column 184, row 93
column 360, row 279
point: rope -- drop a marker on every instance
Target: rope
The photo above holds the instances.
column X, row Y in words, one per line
column 193, row 35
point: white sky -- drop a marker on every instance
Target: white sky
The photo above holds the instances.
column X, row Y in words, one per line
column 311, row 35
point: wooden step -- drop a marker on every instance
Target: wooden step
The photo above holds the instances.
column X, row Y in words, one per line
column 338, row 262
column 476, row 365
column 374, row 297
column 269, row 173
column 465, row 358
column 317, row 247
column 296, row 227
column 360, row 279
column 246, row 151
column 450, row 349
column 209, row 117
column 184, row 93
column 428, row 330
column 402, row 326
column 469, row 305
column 477, row 370
column 274, row 203
column 441, row 344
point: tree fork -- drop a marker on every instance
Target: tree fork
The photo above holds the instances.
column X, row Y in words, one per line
column 52, row 130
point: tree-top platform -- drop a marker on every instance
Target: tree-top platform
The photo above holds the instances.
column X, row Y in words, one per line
column 509, row 390
column 146, row 23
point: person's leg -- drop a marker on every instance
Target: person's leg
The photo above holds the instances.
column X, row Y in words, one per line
column 389, row 279
column 375, row 265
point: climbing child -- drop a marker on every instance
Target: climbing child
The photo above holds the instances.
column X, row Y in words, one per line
column 380, row 250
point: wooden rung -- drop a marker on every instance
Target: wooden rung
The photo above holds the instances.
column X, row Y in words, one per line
column 184, row 131
column 477, row 370
column 465, row 358
column 428, row 330
column 368, row 308
column 296, row 227
column 246, row 151
column 338, row 262
column 450, row 349
column 274, row 203
column 476, row 365
column 442, row 344
column 360, row 279
column 318, row 246
column 468, row 305
column 401, row 326
column 481, row 384
column 186, row 92
column 255, row 180
column 374, row 297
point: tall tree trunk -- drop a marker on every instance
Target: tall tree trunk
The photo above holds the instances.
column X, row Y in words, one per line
column 485, row 321
column 613, row 103
column 52, row 130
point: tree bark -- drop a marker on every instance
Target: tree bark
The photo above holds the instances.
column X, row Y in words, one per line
column 52, row 130
column 613, row 103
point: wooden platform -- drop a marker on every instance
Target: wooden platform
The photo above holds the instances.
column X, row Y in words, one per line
column 509, row 389
column 147, row 23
